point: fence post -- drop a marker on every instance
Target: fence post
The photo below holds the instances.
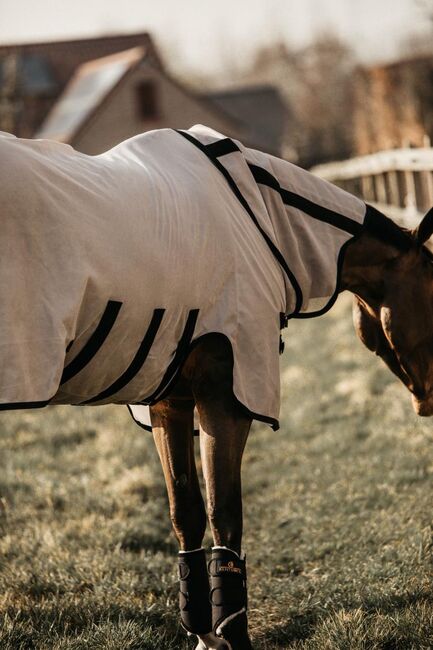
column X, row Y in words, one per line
column 380, row 188
column 394, row 194
column 427, row 189
column 410, row 197
column 367, row 188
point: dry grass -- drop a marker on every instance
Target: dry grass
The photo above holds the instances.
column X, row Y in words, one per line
column 337, row 508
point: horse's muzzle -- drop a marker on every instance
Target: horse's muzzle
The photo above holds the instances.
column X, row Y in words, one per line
column 423, row 407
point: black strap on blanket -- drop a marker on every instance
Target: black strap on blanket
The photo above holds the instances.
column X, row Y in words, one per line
column 314, row 210
column 228, row 594
column 176, row 363
column 194, row 605
column 221, row 147
column 136, row 363
column 228, row 147
column 91, row 347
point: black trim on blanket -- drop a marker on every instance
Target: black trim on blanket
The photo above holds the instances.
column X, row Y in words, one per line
column 273, row 422
column 137, row 362
column 175, row 366
column 337, row 290
column 140, row 424
column 10, row 406
column 94, row 343
column 313, row 210
column 379, row 226
column 233, row 186
column 320, row 213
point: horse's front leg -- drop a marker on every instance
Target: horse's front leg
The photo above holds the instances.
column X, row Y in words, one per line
column 172, row 424
column 223, row 435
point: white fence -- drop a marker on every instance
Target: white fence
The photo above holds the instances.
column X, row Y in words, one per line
column 401, row 179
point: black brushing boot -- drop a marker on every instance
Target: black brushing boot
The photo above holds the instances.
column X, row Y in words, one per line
column 228, row 595
column 194, row 605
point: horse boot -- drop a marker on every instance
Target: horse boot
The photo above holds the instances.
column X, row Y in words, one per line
column 194, row 605
column 228, row 595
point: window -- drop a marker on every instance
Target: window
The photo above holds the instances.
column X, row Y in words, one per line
column 147, row 100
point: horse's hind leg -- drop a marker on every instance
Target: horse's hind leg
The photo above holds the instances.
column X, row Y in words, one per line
column 172, row 423
column 223, row 435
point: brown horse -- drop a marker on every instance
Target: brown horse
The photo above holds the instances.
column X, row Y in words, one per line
column 390, row 273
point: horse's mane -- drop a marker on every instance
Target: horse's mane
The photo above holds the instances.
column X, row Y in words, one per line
column 385, row 229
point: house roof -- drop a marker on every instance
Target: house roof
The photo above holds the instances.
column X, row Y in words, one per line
column 92, row 85
column 260, row 108
column 62, row 58
column 88, row 88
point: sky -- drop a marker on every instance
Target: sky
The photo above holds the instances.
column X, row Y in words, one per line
column 204, row 35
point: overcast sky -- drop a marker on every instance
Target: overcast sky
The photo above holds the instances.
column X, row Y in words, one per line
column 203, row 34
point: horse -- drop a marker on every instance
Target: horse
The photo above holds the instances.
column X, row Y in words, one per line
column 160, row 275
column 390, row 273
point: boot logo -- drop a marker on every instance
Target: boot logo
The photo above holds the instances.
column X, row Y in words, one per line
column 230, row 567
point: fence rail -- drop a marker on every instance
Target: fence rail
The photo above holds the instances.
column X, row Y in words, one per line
column 400, row 178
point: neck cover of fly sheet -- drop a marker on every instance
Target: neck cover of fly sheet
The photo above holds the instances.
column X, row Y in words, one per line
column 112, row 266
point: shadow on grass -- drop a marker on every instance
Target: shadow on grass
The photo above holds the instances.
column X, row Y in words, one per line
column 298, row 628
column 303, row 626
column 32, row 625
column 135, row 542
column 385, row 604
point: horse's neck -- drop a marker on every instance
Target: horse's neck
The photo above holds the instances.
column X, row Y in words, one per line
column 364, row 264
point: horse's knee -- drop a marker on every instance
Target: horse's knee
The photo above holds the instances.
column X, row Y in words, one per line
column 189, row 526
column 188, row 518
column 225, row 520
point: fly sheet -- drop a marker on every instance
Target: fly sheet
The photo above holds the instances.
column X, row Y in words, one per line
column 112, row 266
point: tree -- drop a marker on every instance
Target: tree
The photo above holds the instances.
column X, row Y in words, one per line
column 316, row 83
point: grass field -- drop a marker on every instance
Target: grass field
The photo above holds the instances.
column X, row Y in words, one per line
column 338, row 516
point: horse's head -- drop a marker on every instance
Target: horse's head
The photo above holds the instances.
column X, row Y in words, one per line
column 393, row 313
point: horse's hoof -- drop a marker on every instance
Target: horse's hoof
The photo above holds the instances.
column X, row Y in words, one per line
column 200, row 645
column 235, row 632
column 212, row 642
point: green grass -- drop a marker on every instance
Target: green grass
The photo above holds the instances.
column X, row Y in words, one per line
column 338, row 516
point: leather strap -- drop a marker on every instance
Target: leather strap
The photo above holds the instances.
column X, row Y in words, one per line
column 194, row 605
column 228, row 581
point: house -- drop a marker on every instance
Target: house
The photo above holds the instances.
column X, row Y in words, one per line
column 118, row 96
column 33, row 75
column 93, row 93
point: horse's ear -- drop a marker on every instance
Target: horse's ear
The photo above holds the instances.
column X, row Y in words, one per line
column 424, row 230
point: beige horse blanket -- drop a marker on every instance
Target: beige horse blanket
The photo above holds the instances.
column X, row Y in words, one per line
column 112, row 266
